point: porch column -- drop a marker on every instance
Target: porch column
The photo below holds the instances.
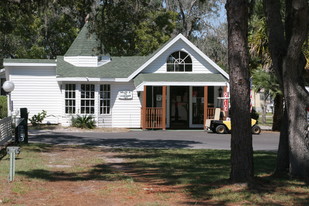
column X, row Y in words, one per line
column 144, row 108
column 205, row 105
column 164, row 107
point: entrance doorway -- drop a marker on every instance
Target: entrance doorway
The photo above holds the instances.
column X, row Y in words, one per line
column 179, row 107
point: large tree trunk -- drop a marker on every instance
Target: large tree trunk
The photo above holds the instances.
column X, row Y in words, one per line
column 238, row 61
column 285, row 47
column 282, row 166
column 296, row 97
column 296, row 103
column 278, row 112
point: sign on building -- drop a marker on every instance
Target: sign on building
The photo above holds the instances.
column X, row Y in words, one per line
column 125, row 95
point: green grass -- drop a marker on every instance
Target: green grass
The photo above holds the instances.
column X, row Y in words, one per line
column 201, row 171
column 202, row 174
column 181, row 166
column 27, row 160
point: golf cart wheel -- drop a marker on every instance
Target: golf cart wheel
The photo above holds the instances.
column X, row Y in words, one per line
column 256, row 129
column 220, row 129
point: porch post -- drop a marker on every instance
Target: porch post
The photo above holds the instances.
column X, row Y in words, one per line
column 144, row 108
column 164, row 107
column 205, row 105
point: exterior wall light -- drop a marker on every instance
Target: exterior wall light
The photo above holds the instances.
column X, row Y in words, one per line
column 8, row 86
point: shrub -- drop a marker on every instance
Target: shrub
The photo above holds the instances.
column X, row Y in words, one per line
column 85, row 122
column 38, row 118
column 3, row 107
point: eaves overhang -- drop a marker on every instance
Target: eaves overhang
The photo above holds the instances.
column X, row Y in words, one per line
column 90, row 79
column 14, row 64
column 179, row 79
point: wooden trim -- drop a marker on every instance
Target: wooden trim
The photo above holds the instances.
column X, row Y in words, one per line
column 164, row 107
column 144, row 108
column 205, row 105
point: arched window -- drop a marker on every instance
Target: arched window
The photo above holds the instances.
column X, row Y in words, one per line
column 179, row 61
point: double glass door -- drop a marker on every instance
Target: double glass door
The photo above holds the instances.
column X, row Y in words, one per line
column 186, row 107
column 179, row 107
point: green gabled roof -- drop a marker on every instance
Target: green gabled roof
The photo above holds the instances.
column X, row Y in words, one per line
column 118, row 67
column 85, row 44
column 29, row 61
column 178, row 77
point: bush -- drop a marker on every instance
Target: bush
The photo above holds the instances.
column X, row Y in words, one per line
column 38, row 118
column 84, row 122
column 3, row 107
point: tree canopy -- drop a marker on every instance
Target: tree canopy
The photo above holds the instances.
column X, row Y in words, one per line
column 128, row 28
column 40, row 28
column 140, row 27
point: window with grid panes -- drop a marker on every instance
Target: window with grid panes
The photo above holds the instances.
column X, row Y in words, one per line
column 87, row 99
column 70, row 101
column 179, row 61
column 105, row 96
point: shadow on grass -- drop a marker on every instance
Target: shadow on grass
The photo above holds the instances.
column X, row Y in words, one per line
column 202, row 174
column 100, row 173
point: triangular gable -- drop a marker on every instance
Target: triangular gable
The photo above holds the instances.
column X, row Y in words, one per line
column 170, row 44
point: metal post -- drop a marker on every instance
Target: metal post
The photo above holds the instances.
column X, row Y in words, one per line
column 12, row 166
column 12, row 151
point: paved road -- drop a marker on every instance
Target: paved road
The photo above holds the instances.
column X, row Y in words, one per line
column 152, row 139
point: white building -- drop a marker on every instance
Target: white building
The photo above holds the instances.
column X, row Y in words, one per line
column 175, row 87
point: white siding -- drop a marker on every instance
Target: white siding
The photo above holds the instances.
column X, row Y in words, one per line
column 200, row 65
column 105, row 121
column 36, row 89
column 125, row 113
column 83, row 61
column 101, row 120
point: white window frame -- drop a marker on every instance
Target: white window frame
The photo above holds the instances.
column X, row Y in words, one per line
column 70, row 97
column 176, row 62
column 87, row 99
column 105, row 99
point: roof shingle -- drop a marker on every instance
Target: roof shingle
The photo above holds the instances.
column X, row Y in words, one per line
column 85, row 44
column 118, row 67
column 178, row 77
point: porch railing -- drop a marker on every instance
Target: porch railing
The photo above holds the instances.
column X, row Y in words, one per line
column 211, row 112
column 153, row 118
